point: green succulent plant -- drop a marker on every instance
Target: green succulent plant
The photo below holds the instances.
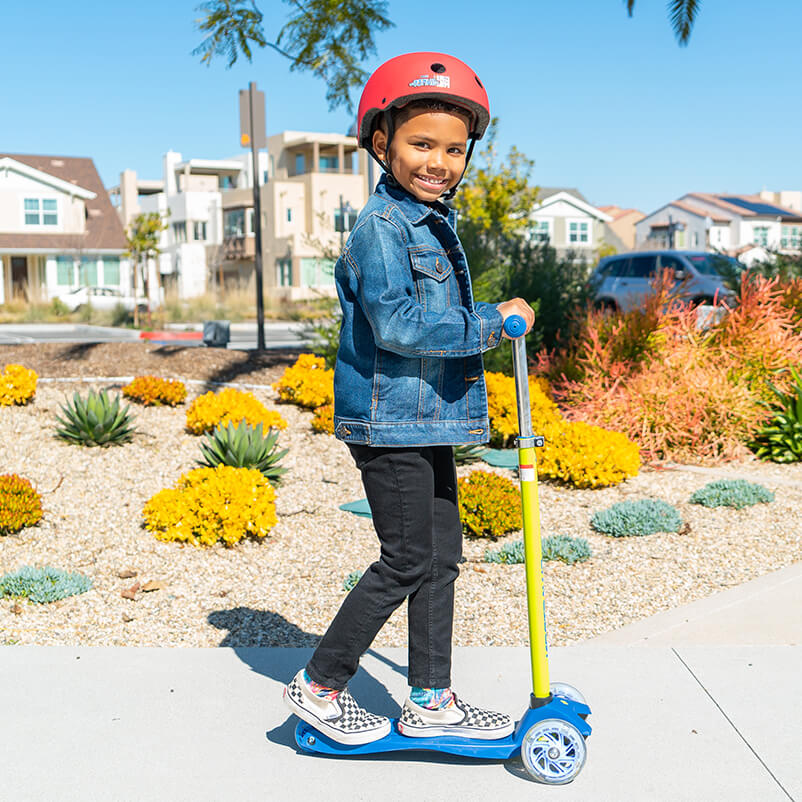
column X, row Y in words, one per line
column 736, row 493
column 557, row 547
column 95, row 421
column 350, row 582
column 637, row 518
column 244, row 446
column 42, row 585
column 781, row 439
column 465, row 455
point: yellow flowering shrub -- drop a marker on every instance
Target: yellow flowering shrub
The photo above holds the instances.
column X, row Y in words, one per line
column 211, row 504
column 503, row 411
column 307, row 383
column 154, row 391
column 323, row 422
column 20, row 504
column 230, row 406
column 586, row 456
column 489, row 504
column 17, row 385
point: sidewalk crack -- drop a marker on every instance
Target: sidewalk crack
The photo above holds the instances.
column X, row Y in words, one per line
column 732, row 724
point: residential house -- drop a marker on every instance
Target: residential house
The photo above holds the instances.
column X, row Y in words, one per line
column 564, row 218
column 58, row 229
column 740, row 225
column 623, row 224
column 311, row 187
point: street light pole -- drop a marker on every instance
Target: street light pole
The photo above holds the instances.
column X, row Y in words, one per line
column 257, row 230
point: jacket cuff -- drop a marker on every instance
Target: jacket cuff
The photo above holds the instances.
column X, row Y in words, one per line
column 491, row 326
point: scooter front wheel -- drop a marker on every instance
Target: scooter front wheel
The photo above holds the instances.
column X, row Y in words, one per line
column 553, row 751
column 568, row 692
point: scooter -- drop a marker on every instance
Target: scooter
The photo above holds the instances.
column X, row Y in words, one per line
column 551, row 733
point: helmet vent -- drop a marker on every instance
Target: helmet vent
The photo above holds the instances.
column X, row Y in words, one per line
column 384, row 100
column 437, row 67
column 476, row 78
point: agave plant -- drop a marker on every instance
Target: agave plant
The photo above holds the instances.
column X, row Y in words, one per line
column 95, row 421
column 466, row 454
column 781, row 439
column 244, row 447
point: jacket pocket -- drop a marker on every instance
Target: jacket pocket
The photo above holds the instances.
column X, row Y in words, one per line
column 432, row 270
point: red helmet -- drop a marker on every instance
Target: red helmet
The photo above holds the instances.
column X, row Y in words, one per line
column 416, row 76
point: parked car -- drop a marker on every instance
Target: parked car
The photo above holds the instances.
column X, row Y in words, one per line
column 624, row 281
column 103, row 298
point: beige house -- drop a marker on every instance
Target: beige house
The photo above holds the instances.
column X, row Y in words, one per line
column 311, row 187
column 58, row 230
column 623, row 224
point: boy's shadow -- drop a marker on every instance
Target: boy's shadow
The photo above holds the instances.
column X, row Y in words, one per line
column 264, row 628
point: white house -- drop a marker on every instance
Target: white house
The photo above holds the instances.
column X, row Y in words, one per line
column 565, row 219
column 740, row 225
column 58, row 229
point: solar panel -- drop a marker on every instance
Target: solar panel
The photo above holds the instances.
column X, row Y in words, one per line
column 757, row 208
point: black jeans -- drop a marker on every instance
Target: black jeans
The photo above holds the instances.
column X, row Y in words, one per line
column 413, row 497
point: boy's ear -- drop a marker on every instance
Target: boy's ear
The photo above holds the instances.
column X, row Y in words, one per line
column 380, row 144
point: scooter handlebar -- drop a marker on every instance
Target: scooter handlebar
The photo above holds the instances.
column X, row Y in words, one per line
column 514, row 326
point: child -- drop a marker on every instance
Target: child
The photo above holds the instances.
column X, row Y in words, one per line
column 408, row 385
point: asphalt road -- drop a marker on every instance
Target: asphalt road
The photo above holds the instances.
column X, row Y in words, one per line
column 278, row 334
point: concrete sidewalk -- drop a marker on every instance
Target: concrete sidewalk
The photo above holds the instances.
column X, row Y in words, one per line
column 703, row 715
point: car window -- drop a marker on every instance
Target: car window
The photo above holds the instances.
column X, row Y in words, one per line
column 643, row 267
column 671, row 262
column 618, row 267
column 713, row 264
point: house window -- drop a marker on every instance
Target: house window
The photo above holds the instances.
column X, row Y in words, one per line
column 791, row 237
column 299, row 163
column 199, row 231
column 41, row 211
column 111, row 271
column 317, row 272
column 541, row 231
column 250, row 221
column 289, row 215
column 226, row 182
column 87, row 272
column 284, row 272
column 578, row 232
column 65, row 271
column 234, row 223
column 180, row 231
column 760, row 235
column 328, row 163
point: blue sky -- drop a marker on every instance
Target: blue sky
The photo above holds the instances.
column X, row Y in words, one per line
column 604, row 103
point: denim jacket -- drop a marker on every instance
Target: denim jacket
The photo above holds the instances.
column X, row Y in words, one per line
column 409, row 366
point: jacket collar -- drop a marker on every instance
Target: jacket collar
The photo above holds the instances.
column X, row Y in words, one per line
column 414, row 210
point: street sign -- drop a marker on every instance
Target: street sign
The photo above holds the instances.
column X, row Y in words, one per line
column 258, row 135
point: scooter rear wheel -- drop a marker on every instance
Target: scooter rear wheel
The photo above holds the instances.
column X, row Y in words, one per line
column 553, row 751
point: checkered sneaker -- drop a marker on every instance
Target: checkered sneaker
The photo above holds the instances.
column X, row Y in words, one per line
column 341, row 719
column 459, row 719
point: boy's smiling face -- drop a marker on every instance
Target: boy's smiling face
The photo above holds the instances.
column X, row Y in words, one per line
column 427, row 152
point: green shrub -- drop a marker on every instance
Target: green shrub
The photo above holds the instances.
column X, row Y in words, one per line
column 95, row 421
column 643, row 517
column 244, row 446
column 465, row 455
column 556, row 547
column 509, row 553
column 780, row 440
column 349, row 583
column 566, row 549
column 43, row 585
column 736, row 493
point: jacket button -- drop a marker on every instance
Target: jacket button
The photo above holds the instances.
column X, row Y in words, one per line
column 437, row 266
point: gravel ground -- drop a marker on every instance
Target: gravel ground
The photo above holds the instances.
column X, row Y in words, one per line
column 284, row 589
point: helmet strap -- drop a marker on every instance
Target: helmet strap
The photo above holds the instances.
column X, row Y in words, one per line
column 453, row 191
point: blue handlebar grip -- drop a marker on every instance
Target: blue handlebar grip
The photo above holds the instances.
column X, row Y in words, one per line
column 514, row 326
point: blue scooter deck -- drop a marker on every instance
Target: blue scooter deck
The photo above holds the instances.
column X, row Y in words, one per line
column 311, row 740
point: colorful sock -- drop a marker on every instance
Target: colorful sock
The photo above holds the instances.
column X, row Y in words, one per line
column 320, row 690
column 432, row 698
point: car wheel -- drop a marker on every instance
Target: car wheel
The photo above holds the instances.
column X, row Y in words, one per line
column 607, row 306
